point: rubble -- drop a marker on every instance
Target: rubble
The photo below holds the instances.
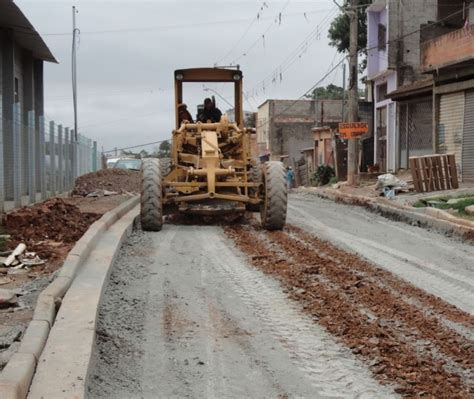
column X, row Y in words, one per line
column 107, row 182
column 7, row 298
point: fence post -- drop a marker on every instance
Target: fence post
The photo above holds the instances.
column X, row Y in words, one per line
column 17, row 186
column 42, row 156
column 52, row 159
column 31, row 158
column 60, row 160
column 94, row 156
column 73, row 156
column 2, row 171
column 67, row 160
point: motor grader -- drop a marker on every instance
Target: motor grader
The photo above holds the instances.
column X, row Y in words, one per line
column 211, row 170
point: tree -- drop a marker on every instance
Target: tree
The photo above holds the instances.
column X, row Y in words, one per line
column 331, row 92
column 164, row 150
column 339, row 30
column 249, row 120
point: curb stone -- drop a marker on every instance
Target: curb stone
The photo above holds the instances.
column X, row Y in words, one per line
column 16, row 377
column 436, row 220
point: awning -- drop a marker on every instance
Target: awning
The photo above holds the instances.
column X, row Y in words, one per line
column 422, row 87
column 11, row 17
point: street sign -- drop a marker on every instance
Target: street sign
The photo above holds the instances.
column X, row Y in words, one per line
column 352, row 130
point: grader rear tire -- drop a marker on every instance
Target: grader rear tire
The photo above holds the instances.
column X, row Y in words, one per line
column 257, row 177
column 165, row 166
column 151, row 206
column 273, row 210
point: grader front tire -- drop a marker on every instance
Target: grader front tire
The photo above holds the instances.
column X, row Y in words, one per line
column 273, row 210
column 151, row 206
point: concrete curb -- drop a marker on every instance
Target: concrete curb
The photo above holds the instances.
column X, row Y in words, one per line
column 436, row 219
column 17, row 375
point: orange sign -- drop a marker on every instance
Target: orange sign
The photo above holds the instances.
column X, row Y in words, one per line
column 352, row 130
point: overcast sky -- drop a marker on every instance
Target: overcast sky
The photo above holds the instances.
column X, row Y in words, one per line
column 128, row 51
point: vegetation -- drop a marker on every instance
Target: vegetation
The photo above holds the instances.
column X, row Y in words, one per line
column 465, row 200
column 339, row 30
column 162, row 151
column 323, row 175
column 330, row 92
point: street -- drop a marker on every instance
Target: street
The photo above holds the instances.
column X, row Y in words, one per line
column 234, row 311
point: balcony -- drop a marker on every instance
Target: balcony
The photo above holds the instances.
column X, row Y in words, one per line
column 447, row 50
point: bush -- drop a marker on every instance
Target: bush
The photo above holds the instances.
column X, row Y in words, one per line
column 323, row 175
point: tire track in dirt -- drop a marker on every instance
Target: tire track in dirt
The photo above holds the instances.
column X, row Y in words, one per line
column 360, row 307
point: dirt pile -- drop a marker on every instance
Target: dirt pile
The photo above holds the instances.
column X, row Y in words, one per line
column 403, row 333
column 116, row 180
column 54, row 220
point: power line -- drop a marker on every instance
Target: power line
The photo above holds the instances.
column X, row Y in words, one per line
column 26, row 30
column 257, row 17
column 134, row 146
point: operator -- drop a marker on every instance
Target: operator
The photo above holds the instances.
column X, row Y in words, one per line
column 210, row 112
column 183, row 114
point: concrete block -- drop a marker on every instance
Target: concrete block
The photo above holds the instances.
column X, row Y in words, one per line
column 58, row 287
column 469, row 209
column 70, row 266
column 17, row 375
column 35, row 338
column 45, row 309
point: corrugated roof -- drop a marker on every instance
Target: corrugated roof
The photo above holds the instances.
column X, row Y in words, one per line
column 11, row 17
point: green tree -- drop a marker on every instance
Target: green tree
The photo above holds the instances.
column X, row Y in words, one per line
column 339, row 30
column 249, row 121
column 331, row 92
column 164, row 150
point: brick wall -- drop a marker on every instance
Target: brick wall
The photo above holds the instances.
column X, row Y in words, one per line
column 449, row 49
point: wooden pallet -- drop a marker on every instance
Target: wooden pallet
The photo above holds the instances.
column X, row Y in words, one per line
column 434, row 172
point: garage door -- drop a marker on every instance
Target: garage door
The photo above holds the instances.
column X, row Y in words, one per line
column 468, row 138
column 451, row 123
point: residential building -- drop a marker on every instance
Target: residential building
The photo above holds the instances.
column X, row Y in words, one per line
column 284, row 127
column 447, row 55
column 393, row 61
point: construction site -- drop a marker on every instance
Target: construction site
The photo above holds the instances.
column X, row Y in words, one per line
column 281, row 253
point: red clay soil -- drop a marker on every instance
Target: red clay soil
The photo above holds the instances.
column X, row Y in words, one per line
column 49, row 228
column 117, row 180
column 392, row 325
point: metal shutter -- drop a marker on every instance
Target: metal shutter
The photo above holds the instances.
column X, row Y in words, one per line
column 451, row 122
column 468, row 138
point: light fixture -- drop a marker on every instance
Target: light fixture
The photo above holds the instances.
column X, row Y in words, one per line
column 236, row 77
column 179, row 76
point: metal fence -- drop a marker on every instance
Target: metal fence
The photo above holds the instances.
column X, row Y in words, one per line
column 40, row 159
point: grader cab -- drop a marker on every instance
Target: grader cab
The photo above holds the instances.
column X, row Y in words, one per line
column 211, row 170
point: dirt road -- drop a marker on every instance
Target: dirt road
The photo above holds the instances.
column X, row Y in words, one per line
column 206, row 311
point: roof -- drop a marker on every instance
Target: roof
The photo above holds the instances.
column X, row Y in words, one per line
column 26, row 35
column 412, row 90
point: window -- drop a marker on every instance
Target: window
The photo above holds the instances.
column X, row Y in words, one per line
column 17, row 91
column 382, row 92
column 382, row 40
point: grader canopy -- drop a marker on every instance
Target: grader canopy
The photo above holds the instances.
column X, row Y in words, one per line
column 211, row 170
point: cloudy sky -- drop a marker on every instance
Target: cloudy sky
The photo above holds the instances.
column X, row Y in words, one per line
column 128, row 50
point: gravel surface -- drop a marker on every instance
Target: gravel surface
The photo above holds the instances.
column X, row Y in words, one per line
column 185, row 317
column 439, row 265
column 342, row 303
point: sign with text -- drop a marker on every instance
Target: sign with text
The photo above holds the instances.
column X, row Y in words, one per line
column 352, row 130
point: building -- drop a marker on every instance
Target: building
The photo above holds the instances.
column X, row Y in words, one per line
column 447, row 57
column 22, row 54
column 284, row 127
column 393, row 61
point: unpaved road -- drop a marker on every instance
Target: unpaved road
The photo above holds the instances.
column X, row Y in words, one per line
column 206, row 311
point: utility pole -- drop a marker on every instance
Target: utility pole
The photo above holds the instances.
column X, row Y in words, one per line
column 343, row 116
column 75, row 31
column 353, row 103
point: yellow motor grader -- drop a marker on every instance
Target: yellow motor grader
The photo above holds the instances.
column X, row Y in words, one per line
column 211, row 170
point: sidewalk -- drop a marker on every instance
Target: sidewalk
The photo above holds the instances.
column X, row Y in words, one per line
column 401, row 207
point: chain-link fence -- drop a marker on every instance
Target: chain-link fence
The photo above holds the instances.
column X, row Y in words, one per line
column 40, row 159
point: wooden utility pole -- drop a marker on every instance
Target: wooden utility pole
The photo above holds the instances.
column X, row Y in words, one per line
column 353, row 101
